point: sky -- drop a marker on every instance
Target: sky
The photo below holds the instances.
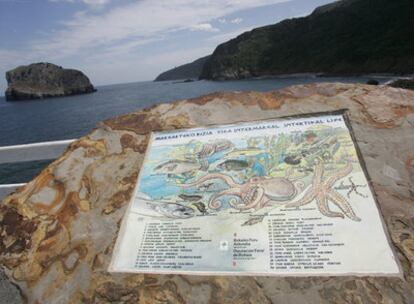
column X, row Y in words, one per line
column 118, row 41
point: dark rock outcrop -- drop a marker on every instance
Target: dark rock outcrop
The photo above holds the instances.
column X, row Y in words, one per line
column 373, row 82
column 403, row 83
column 347, row 37
column 43, row 80
column 186, row 71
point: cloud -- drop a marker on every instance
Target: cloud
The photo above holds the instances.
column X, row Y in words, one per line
column 206, row 27
column 91, row 3
column 236, row 20
column 142, row 20
column 153, row 64
column 146, row 18
column 120, row 32
column 233, row 21
column 96, row 2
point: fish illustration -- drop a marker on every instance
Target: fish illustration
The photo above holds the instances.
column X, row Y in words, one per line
column 200, row 207
column 176, row 166
column 210, row 148
column 233, row 165
column 292, row 159
column 223, row 145
column 206, row 187
column 254, row 220
column 190, row 198
column 244, row 152
column 207, row 150
column 172, row 210
column 145, row 205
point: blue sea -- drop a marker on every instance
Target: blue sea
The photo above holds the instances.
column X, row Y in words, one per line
column 71, row 117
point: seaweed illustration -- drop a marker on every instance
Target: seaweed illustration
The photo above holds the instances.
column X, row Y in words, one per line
column 260, row 172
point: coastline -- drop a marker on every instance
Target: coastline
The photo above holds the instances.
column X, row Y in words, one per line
column 263, row 77
column 302, row 75
column 72, row 117
column 322, row 75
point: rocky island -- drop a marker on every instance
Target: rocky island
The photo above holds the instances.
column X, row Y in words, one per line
column 58, row 231
column 44, row 80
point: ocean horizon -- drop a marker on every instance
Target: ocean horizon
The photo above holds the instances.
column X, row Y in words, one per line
column 71, row 117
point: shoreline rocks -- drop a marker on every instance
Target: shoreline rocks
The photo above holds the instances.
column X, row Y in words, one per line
column 45, row 80
column 407, row 83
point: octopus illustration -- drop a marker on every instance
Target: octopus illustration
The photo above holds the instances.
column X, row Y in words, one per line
column 253, row 194
column 322, row 191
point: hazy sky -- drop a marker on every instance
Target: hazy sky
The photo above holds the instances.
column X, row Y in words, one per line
column 116, row 41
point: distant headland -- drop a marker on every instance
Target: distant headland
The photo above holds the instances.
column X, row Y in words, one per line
column 45, row 80
column 186, row 71
column 347, row 38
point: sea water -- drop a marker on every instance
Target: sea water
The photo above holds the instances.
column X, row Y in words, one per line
column 71, row 117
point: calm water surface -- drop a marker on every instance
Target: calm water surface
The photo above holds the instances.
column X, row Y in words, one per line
column 74, row 116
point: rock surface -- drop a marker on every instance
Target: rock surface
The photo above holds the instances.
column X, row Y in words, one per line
column 58, row 231
column 43, row 80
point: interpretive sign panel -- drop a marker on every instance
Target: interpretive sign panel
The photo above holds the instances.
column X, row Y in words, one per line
column 277, row 197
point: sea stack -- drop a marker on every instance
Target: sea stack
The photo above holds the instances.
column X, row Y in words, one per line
column 45, row 80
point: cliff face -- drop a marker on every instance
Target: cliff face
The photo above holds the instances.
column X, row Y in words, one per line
column 186, row 71
column 58, row 231
column 43, row 80
column 346, row 37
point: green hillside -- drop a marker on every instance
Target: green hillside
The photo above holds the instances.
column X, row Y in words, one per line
column 346, row 37
column 186, row 71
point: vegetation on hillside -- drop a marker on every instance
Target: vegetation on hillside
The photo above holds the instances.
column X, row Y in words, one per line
column 347, row 37
column 186, row 71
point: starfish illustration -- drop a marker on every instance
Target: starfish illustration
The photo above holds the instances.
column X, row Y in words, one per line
column 352, row 188
column 322, row 191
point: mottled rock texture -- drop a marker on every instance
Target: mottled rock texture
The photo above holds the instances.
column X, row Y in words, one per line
column 43, row 80
column 58, row 231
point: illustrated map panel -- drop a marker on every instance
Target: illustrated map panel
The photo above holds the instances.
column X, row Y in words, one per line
column 275, row 197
